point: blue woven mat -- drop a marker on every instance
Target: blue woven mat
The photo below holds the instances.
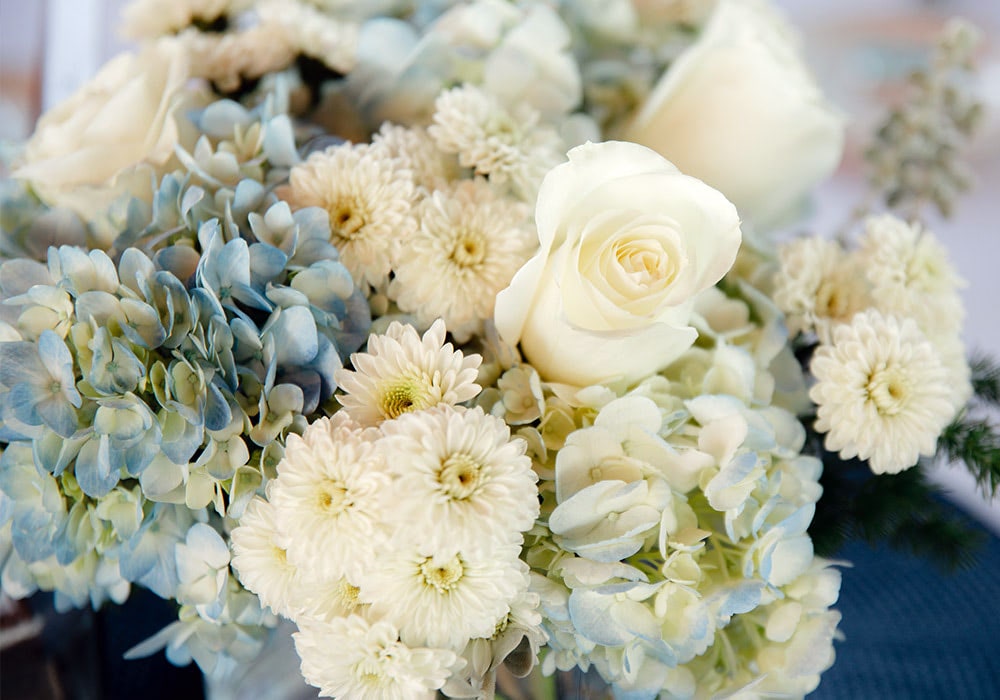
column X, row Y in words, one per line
column 914, row 632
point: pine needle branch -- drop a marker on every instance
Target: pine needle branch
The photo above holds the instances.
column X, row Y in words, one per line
column 903, row 510
column 976, row 443
column 985, row 378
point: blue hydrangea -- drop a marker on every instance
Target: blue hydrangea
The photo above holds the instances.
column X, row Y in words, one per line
column 146, row 390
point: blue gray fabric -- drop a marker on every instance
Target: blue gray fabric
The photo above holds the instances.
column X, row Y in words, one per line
column 914, row 632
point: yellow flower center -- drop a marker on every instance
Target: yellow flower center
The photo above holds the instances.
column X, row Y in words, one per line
column 888, row 389
column 460, row 476
column 469, row 249
column 332, row 496
column 348, row 594
column 442, row 576
column 404, row 396
column 346, row 219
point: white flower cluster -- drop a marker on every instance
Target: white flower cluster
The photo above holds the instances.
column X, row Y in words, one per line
column 519, row 53
column 229, row 41
column 674, row 557
column 415, row 226
column 393, row 531
column 890, row 368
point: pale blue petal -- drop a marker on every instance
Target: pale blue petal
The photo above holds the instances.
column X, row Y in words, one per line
column 19, row 275
column 58, row 414
column 279, row 142
column 181, row 261
column 218, row 414
column 295, row 329
column 94, row 471
column 19, row 362
column 205, row 542
column 142, row 324
column 221, row 117
column 136, row 271
column 98, row 306
column 57, row 359
column 53, row 452
column 266, row 263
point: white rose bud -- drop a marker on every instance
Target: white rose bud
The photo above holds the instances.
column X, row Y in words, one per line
column 740, row 110
column 626, row 242
column 104, row 139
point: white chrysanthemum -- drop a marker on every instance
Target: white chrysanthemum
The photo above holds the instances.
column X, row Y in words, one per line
column 352, row 658
column 327, row 600
column 468, row 246
column 882, row 392
column 229, row 58
column 262, row 563
column 403, row 372
column 147, row 19
column 314, row 34
column 432, row 168
column 508, row 147
column 443, row 596
column 951, row 350
column 460, row 476
column 910, row 274
column 327, row 499
column 369, row 198
column 817, row 286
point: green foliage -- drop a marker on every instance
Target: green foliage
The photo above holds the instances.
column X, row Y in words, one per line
column 976, row 443
column 985, row 379
column 903, row 510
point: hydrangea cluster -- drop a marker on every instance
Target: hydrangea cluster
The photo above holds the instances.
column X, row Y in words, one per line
column 890, row 366
column 145, row 392
column 393, row 530
column 672, row 555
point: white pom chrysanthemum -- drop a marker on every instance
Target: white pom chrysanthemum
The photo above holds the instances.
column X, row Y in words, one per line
column 352, row 658
column 228, row 58
column 327, row 600
column 327, row 499
column 910, row 274
column 262, row 562
column 313, row 33
column 432, row 168
column 442, row 596
column 882, row 392
column 468, row 246
column 513, row 148
column 403, row 372
column 460, row 477
column 817, row 286
column 368, row 196
column 147, row 19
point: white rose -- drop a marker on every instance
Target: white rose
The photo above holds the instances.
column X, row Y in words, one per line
column 100, row 141
column 626, row 242
column 740, row 110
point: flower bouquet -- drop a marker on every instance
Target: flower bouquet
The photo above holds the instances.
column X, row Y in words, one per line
column 454, row 333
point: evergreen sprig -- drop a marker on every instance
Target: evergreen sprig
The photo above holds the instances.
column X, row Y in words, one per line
column 985, row 378
column 903, row 510
column 976, row 443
